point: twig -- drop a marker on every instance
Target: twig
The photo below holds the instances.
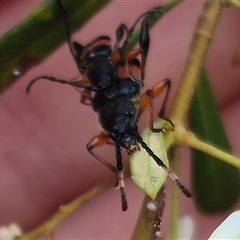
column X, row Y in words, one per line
column 157, row 223
column 65, row 211
column 234, row 3
column 183, row 137
column 149, row 221
column 174, row 155
column 201, row 41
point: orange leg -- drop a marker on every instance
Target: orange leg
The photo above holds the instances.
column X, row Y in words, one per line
column 132, row 55
column 86, row 94
column 146, row 100
column 120, row 56
column 125, row 66
column 119, row 35
column 99, row 141
column 86, row 97
column 144, row 41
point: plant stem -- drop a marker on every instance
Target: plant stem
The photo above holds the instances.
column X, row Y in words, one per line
column 149, row 224
column 203, row 35
column 174, row 155
column 65, row 211
column 200, row 44
column 187, row 138
column 234, row 3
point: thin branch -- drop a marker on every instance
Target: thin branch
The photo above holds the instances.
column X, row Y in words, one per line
column 65, row 211
column 234, row 3
column 183, row 137
column 174, row 155
column 149, row 221
column 157, row 223
column 201, row 41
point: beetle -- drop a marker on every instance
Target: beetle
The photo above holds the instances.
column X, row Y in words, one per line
column 97, row 61
column 111, row 82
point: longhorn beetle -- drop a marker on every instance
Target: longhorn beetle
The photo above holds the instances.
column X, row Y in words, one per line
column 111, row 82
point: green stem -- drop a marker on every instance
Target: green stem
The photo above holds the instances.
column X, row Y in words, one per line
column 234, row 3
column 65, row 211
column 200, row 44
column 183, row 137
column 201, row 41
column 174, row 156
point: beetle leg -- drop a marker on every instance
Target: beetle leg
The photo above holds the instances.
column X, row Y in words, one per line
column 119, row 35
column 86, row 94
column 146, row 100
column 99, row 141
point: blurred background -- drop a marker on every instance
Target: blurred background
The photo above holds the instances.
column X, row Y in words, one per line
column 43, row 159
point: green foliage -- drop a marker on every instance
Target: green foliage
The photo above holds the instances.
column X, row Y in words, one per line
column 216, row 184
column 37, row 36
column 145, row 172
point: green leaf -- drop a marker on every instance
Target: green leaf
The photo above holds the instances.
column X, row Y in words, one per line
column 37, row 36
column 216, row 184
column 146, row 174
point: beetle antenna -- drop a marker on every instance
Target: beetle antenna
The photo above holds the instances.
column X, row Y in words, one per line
column 170, row 173
column 53, row 79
